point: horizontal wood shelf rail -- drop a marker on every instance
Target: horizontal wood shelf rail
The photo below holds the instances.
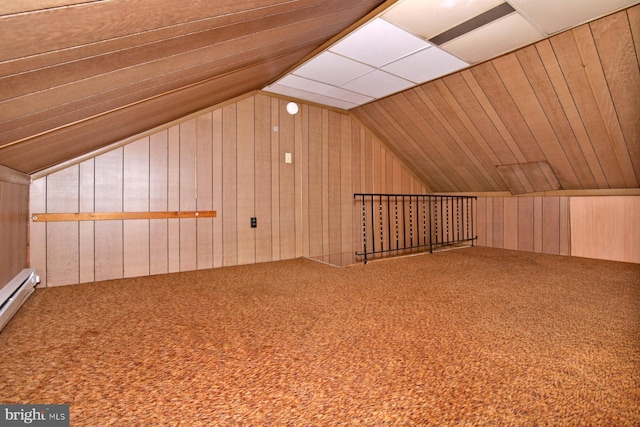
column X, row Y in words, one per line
column 104, row 216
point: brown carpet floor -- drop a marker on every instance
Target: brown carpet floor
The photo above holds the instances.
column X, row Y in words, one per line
column 473, row 336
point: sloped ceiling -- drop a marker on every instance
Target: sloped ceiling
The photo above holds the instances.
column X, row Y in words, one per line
column 563, row 113
column 76, row 76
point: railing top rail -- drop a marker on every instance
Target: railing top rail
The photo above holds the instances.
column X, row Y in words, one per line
column 410, row 195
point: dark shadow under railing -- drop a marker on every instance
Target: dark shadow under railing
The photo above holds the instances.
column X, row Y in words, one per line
column 403, row 223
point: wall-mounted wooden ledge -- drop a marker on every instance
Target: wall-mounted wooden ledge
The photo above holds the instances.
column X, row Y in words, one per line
column 105, row 216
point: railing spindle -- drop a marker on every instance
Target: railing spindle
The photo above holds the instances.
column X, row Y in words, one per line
column 373, row 240
column 389, row 222
column 395, row 207
column 435, row 214
column 458, row 217
column 473, row 236
column 364, row 229
column 381, row 223
column 424, row 220
column 411, row 220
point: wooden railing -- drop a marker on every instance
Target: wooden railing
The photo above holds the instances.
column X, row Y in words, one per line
column 408, row 223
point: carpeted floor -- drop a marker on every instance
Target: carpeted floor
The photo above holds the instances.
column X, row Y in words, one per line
column 473, row 336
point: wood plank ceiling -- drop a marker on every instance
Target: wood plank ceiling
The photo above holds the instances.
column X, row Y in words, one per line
column 79, row 75
column 563, row 113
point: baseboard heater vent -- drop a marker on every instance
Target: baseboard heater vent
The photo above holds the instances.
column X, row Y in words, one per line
column 15, row 293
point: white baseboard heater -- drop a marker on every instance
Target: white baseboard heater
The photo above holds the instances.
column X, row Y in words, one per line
column 15, row 293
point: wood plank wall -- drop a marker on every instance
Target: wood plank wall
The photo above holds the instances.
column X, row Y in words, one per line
column 231, row 160
column 532, row 224
column 14, row 211
column 600, row 227
column 606, row 227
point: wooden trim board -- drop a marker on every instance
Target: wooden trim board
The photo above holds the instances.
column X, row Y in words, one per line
column 103, row 216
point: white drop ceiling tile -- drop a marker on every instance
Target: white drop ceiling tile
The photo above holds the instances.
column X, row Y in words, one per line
column 310, row 96
column 500, row 36
column 304, row 84
column 330, row 102
column 558, row 15
column 378, row 84
column 323, row 89
column 333, row 69
column 333, row 102
column 428, row 64
column 428, row 18
column 287, row 91
column 378, row 43
column 347, row 95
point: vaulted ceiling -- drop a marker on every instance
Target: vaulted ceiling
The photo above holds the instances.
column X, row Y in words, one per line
column 76, row 76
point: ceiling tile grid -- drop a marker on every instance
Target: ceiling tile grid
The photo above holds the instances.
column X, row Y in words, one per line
column 377, row 59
